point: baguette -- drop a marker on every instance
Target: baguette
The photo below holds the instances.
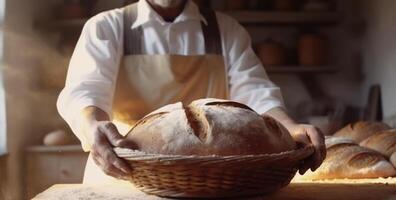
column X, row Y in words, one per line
column 383, row 142
column 361, row 130
column 346, row 159
column 392, row 159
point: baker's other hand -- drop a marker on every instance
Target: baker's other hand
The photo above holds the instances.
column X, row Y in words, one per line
column 105, row 138
column 309, row 135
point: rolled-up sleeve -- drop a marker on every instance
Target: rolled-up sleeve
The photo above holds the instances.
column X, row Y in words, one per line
column 92, row 72
column 248, row 81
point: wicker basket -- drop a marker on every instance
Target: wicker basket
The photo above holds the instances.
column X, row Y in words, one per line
column 212, row 176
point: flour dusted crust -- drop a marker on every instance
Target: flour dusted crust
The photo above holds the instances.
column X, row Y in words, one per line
column 209, row 127
column 333, row 141
column 392, row 159
column 346, row 159
column 361, row 130
column 383, row 142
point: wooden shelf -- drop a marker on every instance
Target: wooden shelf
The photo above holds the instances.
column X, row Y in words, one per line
column 61, row 25
column 300, row 69
column 286, row 18
column 244, row 17
column 55, row 149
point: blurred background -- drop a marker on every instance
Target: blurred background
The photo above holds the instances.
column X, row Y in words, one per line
column 335, row 61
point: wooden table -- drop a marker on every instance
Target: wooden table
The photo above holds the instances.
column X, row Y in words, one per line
column 295, row 191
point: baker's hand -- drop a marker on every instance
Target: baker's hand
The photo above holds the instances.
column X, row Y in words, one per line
column 310, row 135
column 105, row 138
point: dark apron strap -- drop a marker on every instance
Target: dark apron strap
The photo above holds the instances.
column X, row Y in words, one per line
column 133, row 37
column 211, row 32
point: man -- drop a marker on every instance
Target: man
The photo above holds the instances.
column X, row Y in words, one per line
column 131, row 61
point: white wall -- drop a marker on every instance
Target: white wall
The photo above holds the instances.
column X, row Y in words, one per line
column 379, row 48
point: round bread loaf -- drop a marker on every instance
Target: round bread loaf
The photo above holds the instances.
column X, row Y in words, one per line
column 209, row 127
column 361, row 130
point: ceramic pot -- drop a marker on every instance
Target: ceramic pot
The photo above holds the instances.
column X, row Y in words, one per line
column 271, row 53
column 312, row 49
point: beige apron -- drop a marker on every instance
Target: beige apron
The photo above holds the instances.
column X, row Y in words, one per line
column 148, row 82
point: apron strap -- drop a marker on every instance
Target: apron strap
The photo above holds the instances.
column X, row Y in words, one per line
column 133, row 37
column 211, row 32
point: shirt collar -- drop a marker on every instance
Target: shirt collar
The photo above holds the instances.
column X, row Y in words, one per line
column 146, row 14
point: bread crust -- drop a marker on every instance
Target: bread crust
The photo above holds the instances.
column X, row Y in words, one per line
column 392, row 159
column 346, row 159
column 209, row 127
column 361, row 130
column 383, row 142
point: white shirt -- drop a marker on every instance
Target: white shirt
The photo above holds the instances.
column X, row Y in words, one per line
column 94, row 65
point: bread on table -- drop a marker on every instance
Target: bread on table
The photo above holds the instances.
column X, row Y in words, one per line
column 392, row 159
column 361, row 130
column 346, row 159
column 383, row 142
column 209, row 127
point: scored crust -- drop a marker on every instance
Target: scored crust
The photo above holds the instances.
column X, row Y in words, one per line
column 198, row 122
column 348, row 160
column 230, row 104
column 208, row 127
column 361, row 130
column 148, row 119
column 383, row 142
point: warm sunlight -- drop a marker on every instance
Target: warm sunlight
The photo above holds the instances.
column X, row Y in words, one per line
column 225, row 99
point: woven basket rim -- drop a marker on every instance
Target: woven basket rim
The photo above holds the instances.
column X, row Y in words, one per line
column 212, row 176
column 136, row 155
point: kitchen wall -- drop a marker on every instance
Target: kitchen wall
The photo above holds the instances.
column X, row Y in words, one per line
column 33, row 63
column 30, row 111
column 379, row 47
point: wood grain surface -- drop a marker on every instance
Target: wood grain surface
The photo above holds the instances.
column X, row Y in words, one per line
column 295, row 191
